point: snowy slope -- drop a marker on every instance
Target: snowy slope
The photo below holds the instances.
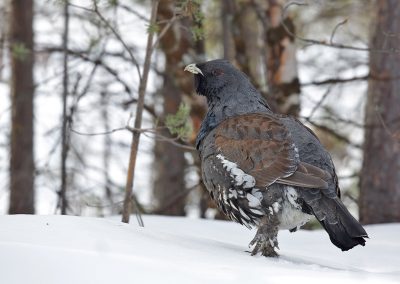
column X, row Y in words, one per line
column 65, row 249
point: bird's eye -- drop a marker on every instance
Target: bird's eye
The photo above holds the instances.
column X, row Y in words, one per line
column 217, row 72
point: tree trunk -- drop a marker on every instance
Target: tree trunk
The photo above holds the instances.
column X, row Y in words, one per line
column 281, row 62
column 63, row 202
column 246, row 37
column 22, row 92
column 130, row 178
column 107, row 144
column 241, row 29
column 241, row 38
column 3, row 35
column 380, row 176
column 169, row 161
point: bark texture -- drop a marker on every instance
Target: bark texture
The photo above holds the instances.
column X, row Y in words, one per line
column 241, row 34
column 22, row 93
column 170, row 164
column 281, row 62
column 380, row 176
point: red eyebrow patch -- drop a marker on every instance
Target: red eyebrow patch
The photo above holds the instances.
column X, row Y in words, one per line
column 217, row 72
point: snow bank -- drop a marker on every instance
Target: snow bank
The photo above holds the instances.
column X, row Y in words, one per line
column 66, row 249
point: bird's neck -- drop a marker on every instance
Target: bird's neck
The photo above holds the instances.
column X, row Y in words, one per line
column 220, row 109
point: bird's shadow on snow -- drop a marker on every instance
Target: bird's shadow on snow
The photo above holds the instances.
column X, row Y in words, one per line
column 317, row 263
column 299, row 261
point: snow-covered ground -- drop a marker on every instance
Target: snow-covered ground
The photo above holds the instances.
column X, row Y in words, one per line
column 66, row 249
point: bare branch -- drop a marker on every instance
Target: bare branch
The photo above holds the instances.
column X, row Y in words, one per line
column 395, row 136
column 65, row 139
column 153, row 131
column 114, row 31
column 118, row 36
column 97, row 61
column 97, row 133
column 149, row 109
column 317, row 105
column 134, row 12
column 333, row 133
column 329, row 44
column 336, row 81
column 336, row 28
column 368, row 76
column 175, row 198
column 165, row 29
column 138, row 122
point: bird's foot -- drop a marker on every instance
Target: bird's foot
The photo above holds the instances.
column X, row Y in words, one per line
column 264, row 244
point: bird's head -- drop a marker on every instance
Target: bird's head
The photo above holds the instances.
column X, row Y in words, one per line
column 216, row 78
column 229, row 92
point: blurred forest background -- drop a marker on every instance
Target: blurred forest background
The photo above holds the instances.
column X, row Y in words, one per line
column 73, row 78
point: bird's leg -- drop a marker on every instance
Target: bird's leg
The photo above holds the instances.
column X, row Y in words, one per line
column 266, row 238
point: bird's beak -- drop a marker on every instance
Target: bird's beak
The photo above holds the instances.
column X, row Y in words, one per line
column 192, row 68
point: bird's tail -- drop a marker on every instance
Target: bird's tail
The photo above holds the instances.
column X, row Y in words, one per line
column 344, row 230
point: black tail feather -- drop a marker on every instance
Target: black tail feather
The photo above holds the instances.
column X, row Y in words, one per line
column 344, row 230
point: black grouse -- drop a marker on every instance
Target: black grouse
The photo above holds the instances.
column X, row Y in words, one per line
column 265, row 169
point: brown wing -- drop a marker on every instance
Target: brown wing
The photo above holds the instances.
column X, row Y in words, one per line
column 262, row 147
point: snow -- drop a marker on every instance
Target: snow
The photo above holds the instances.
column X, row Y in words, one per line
column 68, row 249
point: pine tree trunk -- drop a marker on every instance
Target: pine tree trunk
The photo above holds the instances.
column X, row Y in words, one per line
column 246, row 34
column 241, row 29
column 241, row 37
column 63, row 202
column 170, row 163
column 22, row 92
column 281, row 62
column 380, row 176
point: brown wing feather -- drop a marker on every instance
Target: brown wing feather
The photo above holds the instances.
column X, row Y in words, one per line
column 262, row 147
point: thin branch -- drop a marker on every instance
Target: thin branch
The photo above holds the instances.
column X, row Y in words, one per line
column 368, row 76
column 98, row 61
column 351, row 176
column 388, row 131
column 97, row 133
column 148, row 108
column 317, row 105
column 174, row 142
column 172, row 200
column 81, row 7
column 165, row 29
column 324, row 43
column 118, row 36
column 336, row 81
column 65, row 141
column 114, row 31
column 334, row 133
column 336, row 28
column 153, row 131
column 138, row 122
column 134, row 12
